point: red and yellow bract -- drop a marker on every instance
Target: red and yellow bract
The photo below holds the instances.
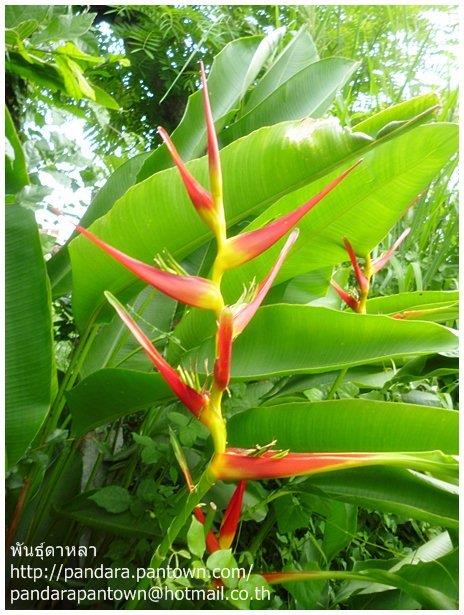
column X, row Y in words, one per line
column 189, row 289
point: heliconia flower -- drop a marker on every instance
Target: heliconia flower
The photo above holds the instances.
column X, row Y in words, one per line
column 246, row 313
column 239, row 464
column 232, row 517
column 214, row 162
column 344, row 296
column 382, row 260
column 363, row 282
column 200, row 197
column 212, row 543
column 242, row 464
column 224, row 349
column 188, row 289
column 191, row 398
column 242, row 248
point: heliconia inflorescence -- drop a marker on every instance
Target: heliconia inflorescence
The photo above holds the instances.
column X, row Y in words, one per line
column 205, row 401
column 364, row 276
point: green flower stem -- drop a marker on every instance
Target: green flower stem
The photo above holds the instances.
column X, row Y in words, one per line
column 191, row 500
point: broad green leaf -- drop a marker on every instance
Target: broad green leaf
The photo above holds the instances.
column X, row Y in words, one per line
column 72, row 83
column 298, row 53
column 196, row 538
column 112, row 498
column 437, row 547
column 427, row 367
column 432, row 584
column 308, row 93
column 115, row 346
column 86, row 512
column 16, row 14
column 302, row 289
column 291, row 339
column 435, row 305
column 392, row 490
column 107, row 394
column 232, row 72
column 104, row 99
column 403, row 111
column 364, row 377
column 29, row 357
column 41, row 74
column 440, row 575
column 253, row 179
column 307, row 595
column 340, row 528
column 64, row 28
column 59, row 267
column 347, row 425
column 294, row 512
column 16, row 176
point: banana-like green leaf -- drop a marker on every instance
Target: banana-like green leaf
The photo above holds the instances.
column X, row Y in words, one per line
column 108, row 394
column 374, row 595
column 290, row 339
column 29, row 356
column 401, row 112
column 308, row 93
column 392, row 490
column 364, row 377
column 435, row 366
column 302, row 289
column 16, row 176
column 347, row 425
column 434, row 305
column 298, row 53
column 431, row 584
column 232, row 72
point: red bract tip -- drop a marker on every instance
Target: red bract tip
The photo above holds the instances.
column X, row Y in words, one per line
column 224, row 349
column 363, row 282
column 191, row 290
column 382, row 260
column 239, row 464
column 232, row 517
column 192, row 399
column 213, row 148
column 246, row 313
column 344, row 296
column 244, row 247
column 200, row 197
